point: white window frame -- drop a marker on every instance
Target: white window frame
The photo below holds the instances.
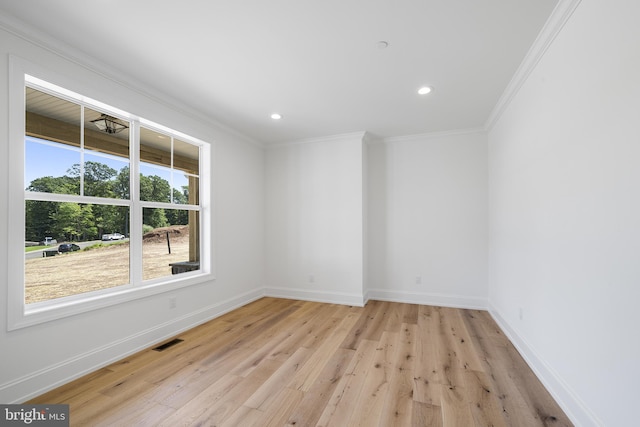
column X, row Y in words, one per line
column 23, row 73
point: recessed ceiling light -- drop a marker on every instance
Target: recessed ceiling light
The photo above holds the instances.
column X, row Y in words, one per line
column 276, row 116
column 424, row 90
column 383, row 44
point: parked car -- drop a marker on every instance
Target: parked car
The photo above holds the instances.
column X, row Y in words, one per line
column 68, row 247
column 112, row 236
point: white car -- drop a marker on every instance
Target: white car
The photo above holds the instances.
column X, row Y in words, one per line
column 112, row 236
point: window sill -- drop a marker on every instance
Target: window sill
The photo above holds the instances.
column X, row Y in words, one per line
column 48, row 311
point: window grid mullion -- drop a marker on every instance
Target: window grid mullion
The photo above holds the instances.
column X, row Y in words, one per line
column 135, row 213
column 82, row 107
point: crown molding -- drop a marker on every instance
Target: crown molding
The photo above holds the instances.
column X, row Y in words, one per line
column 331, row 138
column 372, row 139
column 559, row 17
column 433, row 135
column 69, row 53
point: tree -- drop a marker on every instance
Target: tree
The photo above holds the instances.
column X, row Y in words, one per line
column 177, row 216
column 60, row 185
column 98, row 179
column 39, row 221
column 68, row 220
column 88, row 229
column 154, row 189
column 181, row 198
column 156, row 218
column 121, row 186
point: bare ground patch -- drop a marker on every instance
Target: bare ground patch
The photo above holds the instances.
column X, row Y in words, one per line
column 104, row 267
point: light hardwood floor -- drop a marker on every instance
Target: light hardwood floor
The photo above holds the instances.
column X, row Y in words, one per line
column 282, row 362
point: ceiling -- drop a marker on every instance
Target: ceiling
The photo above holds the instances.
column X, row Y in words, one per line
column 316, row 62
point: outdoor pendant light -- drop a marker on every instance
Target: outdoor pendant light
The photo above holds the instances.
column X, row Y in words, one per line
column 109, row 124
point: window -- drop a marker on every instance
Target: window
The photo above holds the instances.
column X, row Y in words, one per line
column 111, row 206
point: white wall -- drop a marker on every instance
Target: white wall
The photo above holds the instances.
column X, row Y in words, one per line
column 564, row 168
column 428, row 219
column 36, row 358
column 315, row 220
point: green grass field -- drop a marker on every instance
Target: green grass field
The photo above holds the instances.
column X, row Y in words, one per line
column 35, row 248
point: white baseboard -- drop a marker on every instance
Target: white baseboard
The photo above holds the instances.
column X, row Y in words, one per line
column 570, row 403
column 316, row 296
column 443, row 300
column 37, row 383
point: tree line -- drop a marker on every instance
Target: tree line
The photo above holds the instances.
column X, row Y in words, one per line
column 70, row 221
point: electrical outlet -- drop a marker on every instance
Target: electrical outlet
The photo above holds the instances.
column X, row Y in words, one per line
column 312, row 278
column 418, row 280
column 520, row 313
column 173, row 302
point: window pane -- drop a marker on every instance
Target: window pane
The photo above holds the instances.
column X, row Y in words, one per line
column 154, row 183
column 186, row 162
column 52, row 142
column 155, row 166
column 49, row 167
column 155, row 147
column 75, row 260
column 171, row 242
column 52, row 118
column 105, row 176
column 106, row 134
column 186, row 157
column 106, row 157
column 185, row 189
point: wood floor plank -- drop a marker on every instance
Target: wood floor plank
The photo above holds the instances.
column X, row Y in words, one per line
column 373, row 393
column 342, row 402
column 307, row 375
column 244, row 416
column 425, row 414
column 398, row 406
column 298, row 329
column 316, row 397
column 395, row 317
column 246, row 366
column 375, row 326
column 484, row 402
column 278, row 414
column 234, row 391
column 451, row 370
column 275, row 415
column 410, row 314
column 371, row 314
column 132, row 414
column 466, row 353
column 280, row 362
column 196, row 407
column 426, row 384
column 333, row 318
column 455, row 408
column 267, row 391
